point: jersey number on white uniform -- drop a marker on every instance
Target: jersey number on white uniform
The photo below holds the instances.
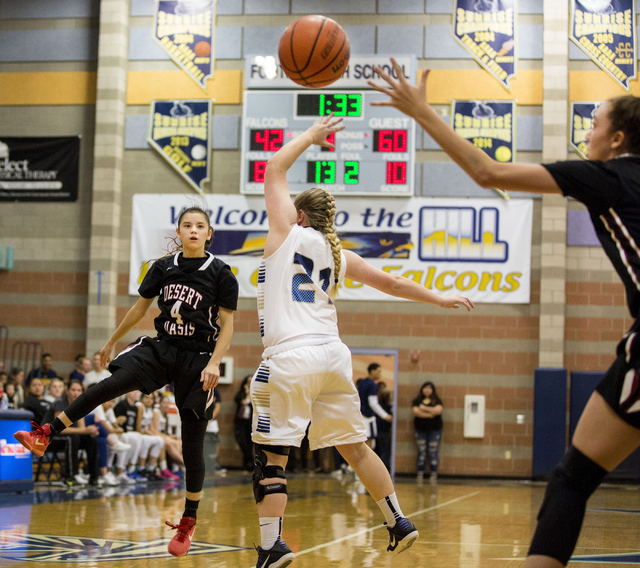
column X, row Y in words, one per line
column 175, row 312
column 304, row 295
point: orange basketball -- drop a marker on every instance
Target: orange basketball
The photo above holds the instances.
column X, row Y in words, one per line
column 314, row 51
column 202, row 48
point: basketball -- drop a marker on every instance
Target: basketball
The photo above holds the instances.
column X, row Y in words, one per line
column 314, row 51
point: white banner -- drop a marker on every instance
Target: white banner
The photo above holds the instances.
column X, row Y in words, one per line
column 480, row 248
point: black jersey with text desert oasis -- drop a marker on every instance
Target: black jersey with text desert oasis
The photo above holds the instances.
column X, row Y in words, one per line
column 189, row 291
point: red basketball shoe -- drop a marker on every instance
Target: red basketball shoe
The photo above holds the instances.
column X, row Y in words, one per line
column 181, row 542
column 37, row 440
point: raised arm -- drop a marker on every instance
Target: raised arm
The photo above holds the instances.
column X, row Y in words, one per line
column 134, row 317
column 280, row 209
column 398, row 286
column 485, row 171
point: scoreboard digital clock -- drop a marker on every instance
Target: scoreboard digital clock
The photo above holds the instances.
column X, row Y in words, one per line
column 374, row 155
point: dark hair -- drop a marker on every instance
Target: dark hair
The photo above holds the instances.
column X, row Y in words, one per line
column 373, row 367
column 16, row 371
column 45, row 355
column 624, row 115
column 435, row 399
column 75, row 382
column 384, row 394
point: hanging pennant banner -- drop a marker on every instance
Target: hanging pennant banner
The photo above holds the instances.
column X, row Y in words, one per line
column 180, row 131
column 606, row 31
column 185, row 30
column 581, row 123
column 486, row 29
column 488, row 125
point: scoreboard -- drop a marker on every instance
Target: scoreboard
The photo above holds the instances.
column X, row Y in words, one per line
column 374, row 155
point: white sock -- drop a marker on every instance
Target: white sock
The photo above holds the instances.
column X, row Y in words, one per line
column 131, row 469
column 151, row 467
column 390, row 509
column 163, row 465
column 270, row 529
column 175, row 467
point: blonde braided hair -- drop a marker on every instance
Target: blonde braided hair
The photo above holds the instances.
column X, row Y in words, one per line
column 320, row 208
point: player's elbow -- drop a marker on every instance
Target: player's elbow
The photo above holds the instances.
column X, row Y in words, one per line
column 485, row 176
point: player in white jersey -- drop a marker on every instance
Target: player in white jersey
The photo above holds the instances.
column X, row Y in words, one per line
column 306, row 373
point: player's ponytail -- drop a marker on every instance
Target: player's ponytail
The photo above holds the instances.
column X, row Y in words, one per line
column 320, row 208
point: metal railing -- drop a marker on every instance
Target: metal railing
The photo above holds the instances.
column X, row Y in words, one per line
column 26, row 355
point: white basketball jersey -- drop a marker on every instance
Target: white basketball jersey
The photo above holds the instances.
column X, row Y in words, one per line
column 293, row 282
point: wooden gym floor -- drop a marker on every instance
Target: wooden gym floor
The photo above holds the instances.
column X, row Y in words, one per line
column 329, row 522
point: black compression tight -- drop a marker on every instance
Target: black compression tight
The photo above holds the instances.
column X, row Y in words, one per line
column 193, row 432
column 121, row 382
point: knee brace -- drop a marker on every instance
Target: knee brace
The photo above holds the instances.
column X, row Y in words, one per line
column 263, row 471
column 560, row 518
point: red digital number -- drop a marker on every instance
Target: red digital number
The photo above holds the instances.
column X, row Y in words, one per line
column 391, row 140
column 275, row 140
column 332, row 140
column 270, row 140
column 396, row 173
column 256, row 171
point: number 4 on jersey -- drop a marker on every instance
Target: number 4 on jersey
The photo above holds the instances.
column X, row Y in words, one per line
column 175, row 312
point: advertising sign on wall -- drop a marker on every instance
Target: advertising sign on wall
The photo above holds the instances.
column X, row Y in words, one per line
column 39, row 169
column 477, row 247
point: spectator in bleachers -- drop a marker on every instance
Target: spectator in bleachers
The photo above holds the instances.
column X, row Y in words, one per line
column 242, row 423
column 35, row 401
column 83, row 366
column 104, row 413
column 152, row 449
column 17, row 378
column 172, row 442
column 4, row 377
column 55, row 389
column 44, row 371
column 80, row 437
column 126, row 412
column 9, row 395
column 97, row 374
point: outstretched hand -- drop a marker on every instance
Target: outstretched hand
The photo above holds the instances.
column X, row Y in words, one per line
column 402, row 95
column 325, row 126
column 455, row 302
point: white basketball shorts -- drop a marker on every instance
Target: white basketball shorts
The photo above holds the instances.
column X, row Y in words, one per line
column 298, row 383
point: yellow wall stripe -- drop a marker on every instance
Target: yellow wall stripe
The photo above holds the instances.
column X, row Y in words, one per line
column 444, row 85
column 48, row 88
column 79, row 87
column 145, row 86
column 597, row 86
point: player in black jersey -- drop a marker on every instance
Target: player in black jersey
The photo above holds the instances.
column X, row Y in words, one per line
column 197, row 295
column 609, row 185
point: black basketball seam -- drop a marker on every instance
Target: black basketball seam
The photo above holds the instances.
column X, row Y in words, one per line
column 331, row 62
column 293, row 54
column 313, row 47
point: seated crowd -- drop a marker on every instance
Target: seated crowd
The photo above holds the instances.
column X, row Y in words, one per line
column 128, row 441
